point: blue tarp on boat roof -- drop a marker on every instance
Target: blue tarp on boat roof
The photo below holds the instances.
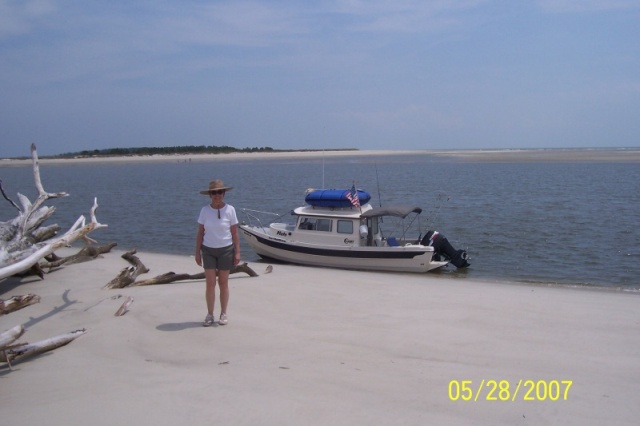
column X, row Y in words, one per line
column 334, row 197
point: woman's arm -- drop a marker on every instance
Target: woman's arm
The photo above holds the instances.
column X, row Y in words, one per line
column 236, row 244
column 199, row 238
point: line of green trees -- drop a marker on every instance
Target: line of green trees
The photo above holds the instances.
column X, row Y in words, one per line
column 169, row 150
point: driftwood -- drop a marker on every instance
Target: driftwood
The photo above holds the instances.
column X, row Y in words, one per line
column 243, row 267
column 84, row 255
column 124, row 308
column 168, row 278
column 16, row 303
column 7, row 338
column 25, row 259
column 171, row 277
column 25, row 350
column 127, row 276
column 10, row 336
column 21, row 239
column 52, row 260
column 34, row 270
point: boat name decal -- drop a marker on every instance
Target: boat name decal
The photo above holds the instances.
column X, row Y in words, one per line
column 348, row 241
column 280, row 240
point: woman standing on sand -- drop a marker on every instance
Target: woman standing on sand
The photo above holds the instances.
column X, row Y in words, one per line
column 217, row 247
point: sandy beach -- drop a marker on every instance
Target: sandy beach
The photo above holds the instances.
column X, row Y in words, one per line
column 209, row 157
column 320, row 346
column 497, row 155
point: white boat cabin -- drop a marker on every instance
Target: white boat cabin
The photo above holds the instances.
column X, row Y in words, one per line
column 331, row 226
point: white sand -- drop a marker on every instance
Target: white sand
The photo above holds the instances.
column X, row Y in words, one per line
column 210, row 157
column 501, row 155
column 318, row 346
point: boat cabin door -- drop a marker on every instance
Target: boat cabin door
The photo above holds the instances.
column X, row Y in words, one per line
column 373, row 237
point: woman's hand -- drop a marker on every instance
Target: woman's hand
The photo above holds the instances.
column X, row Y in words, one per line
column 199, row 259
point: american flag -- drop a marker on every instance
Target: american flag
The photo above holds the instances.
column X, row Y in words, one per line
column 353, row 196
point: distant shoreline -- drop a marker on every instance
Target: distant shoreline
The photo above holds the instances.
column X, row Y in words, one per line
column 621, row 155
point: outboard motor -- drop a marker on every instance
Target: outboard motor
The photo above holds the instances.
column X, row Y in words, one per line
column 443, row 248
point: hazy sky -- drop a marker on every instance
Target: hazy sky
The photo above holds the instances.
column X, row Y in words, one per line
column 393, row 74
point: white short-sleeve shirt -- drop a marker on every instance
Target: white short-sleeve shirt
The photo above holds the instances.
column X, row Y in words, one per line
column 217, row 232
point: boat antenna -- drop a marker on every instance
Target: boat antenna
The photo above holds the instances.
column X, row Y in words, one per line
column 375, row 163
column 434, row 212
column 323, row 168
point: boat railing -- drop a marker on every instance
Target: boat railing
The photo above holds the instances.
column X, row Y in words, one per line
column 402, row 230
column 260, row 218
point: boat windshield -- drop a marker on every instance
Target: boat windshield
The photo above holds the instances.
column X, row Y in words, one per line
column 395, row 223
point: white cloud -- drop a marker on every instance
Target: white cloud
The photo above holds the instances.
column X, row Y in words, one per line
column 569, row 6
column 20, row 17
column 406, row 16
column 249, row 24
column 353, row 69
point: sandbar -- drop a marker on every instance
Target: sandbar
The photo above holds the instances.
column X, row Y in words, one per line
column 321, row 346
column 625, row 155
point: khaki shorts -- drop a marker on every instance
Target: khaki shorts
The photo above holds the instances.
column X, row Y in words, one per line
column 218, row 258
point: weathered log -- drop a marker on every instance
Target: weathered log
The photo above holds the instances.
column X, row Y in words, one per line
column 45, row 233
column 19, row 246
column 124, row 307
column 128, row 275
column 4, row 194
column 243, row 267
column 6, row 340
column 18, row 353
column 84, row 255
column 16, row 303
column 168, row 278
column 25, row 259
column 52, row 260
column 171, row 277
column 10, row 336
column 34, row 270
column 31, row 215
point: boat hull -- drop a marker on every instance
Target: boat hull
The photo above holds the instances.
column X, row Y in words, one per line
column 415, row 258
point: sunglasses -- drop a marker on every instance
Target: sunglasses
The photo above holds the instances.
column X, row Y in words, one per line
column 216, row 192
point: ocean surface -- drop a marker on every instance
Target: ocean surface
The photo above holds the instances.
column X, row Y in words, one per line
column 574, row 223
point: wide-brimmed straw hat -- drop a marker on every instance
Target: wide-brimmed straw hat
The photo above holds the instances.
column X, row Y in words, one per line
column 216, row 185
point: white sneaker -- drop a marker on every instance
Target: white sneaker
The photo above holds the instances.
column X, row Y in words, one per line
column 208, row 321
column 223, row 319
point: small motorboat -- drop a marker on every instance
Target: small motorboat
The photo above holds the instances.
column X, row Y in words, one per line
column 339, row 228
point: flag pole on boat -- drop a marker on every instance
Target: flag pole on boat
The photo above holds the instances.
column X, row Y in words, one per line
column 323, row 168
column 352, row 196
column 378, row 183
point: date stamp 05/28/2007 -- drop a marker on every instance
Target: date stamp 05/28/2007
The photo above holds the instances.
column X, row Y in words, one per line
column 505, row 390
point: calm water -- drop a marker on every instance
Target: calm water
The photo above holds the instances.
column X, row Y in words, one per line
column 557, row 223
